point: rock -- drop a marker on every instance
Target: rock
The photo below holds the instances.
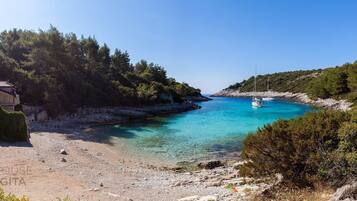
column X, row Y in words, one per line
column 345, row 193
column 190, row 198
column 209, row 198
column 230, row 176
column 63, row 160
column 182, row 183
column 210, row 164
column 63, row 152
column 237, row 165
column 202, row 198
column 214, row 183
column 204, row 178
column 94, row 189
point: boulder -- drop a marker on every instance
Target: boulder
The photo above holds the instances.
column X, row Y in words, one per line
column 345, row 193
column 210, row 164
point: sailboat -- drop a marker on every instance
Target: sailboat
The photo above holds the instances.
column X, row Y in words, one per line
column 256, row 102
column 268, row 98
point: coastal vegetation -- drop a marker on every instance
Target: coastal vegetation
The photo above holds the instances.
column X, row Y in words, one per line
column 339, row 82
column 62, row 73
column 13, row 126
column 319, row 147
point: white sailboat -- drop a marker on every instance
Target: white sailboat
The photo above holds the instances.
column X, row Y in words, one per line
column 256, row 102
column 268, row 98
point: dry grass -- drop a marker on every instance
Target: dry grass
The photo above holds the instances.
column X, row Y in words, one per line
column 320, row 193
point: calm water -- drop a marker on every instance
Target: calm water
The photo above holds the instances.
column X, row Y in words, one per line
column 215, row 130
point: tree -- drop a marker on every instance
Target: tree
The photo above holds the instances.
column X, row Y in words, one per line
column 62, row 72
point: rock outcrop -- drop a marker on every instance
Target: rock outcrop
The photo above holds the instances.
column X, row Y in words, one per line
column 346, row 193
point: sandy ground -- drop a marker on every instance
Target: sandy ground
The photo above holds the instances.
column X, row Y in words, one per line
column 94, row 171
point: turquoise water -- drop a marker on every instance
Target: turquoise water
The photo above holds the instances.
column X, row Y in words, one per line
column 216, row 130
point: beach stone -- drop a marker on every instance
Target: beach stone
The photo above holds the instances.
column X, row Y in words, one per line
column 214, row 183
column 63, row 152
column 94, row 189
column 209, row 198
column 182, row 183
column 63, row 160
column 237, row 165
column 189, row 198
column 230, row 176
column 210, row 164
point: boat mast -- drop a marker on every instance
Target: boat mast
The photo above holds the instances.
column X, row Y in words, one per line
column 255, row 83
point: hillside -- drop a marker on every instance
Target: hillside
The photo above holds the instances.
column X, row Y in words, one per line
column 293, row 81
column 339, row 82
column 62, row 73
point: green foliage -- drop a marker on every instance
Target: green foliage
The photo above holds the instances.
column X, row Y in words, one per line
column 341, row 164
column 13, row 126
column 294, row 81
column 339, row 82
column 62, row 73
column 301, row 148
column 10, row 197
column 332, row 82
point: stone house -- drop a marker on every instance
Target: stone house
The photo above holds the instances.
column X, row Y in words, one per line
column 8, row 97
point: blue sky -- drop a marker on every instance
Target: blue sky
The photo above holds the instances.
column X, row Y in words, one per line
column 206, row 43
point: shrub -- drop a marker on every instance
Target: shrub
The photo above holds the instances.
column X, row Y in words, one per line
column 296, row 148
column 342, row 163
column 13, row 126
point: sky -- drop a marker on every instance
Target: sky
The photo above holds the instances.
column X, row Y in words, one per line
column 209, row 44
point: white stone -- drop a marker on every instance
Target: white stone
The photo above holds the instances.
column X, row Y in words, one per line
column 190, row 198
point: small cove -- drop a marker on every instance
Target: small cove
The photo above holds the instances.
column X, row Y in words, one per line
column 215, row 130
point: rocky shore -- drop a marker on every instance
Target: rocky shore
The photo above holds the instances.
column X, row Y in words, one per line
column 86, row 117
column 299, row 97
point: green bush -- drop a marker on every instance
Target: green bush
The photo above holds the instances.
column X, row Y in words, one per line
column 13, row 126
column 341, row 164
column 300, row 148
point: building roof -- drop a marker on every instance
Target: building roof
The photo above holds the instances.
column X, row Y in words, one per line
column 5, row 84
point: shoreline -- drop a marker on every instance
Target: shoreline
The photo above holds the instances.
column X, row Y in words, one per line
column 330, row 103
column 91, row 117
column 91, row 170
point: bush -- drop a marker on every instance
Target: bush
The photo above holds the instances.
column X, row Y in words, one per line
column 297, row 148
column 13, row 126
column 341, row 164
